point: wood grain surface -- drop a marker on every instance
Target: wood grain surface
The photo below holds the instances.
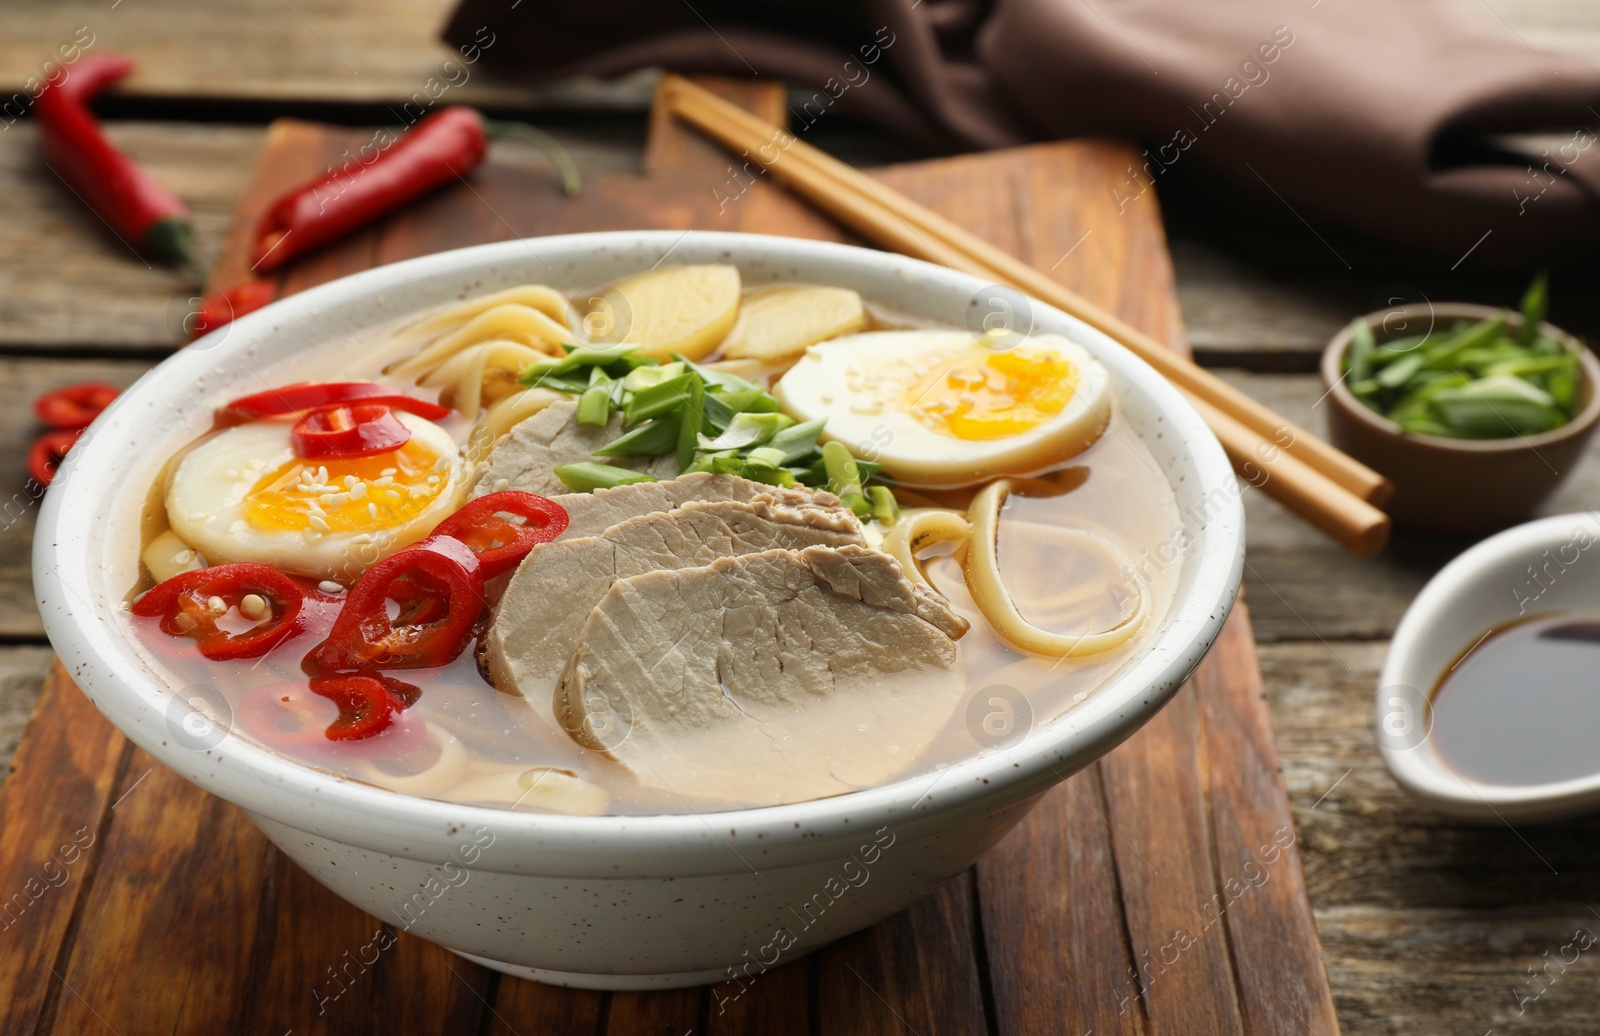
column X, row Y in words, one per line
column 1167, row 834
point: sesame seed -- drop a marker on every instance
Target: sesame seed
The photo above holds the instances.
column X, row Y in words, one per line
column 392, row 494
column 389, row 471
column 386, row 480
column 320, row 524
column 350, row 481
column 433, row 480
column 372, row 511
column 328, row 586
column 338, row 499
column 358, row 491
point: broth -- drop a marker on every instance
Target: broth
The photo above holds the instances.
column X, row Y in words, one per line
column 473, row 743
column 1522, row 706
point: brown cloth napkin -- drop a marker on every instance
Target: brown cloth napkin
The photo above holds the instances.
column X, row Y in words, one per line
column 1377, row 115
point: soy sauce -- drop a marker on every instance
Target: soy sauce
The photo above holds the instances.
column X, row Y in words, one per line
column 1523, row 705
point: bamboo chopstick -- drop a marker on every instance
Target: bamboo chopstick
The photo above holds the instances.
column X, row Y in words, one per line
column 1305, row 474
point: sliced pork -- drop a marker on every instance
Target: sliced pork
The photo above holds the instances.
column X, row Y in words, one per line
column 804, row 672
column 550, row 598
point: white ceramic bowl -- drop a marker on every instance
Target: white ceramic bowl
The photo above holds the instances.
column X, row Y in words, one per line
column 607, row 902
column 1528, row 570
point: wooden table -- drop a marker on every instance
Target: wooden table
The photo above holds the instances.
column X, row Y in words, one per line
column 1427, row 925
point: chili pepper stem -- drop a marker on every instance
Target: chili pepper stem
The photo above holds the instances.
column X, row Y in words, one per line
column 172, row 240
column 571, row 181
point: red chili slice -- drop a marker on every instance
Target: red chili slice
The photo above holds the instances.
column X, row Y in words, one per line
column 186, row 604
column 294, row 720
column 365, row 706
column 500, row 542
column 312, row 395
column 438, row 584
column 350, row 430
column 71, row 407
column 224, row 307
column 47, row 453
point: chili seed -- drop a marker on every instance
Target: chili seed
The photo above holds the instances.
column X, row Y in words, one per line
column 216, row 604
column 254, row 606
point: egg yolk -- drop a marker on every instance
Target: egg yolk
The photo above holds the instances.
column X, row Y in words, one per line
column 349, row 494
column 983, row 395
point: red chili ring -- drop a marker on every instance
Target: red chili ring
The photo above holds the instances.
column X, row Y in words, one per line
column 183, row 604
column 348, row 430
column 500, row 543
column 47, row 453
column 72, row 407
column 439, row 584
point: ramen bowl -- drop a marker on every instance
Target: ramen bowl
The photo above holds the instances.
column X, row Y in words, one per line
column 611, row 902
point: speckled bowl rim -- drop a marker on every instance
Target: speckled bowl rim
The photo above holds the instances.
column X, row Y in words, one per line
column 1333, row 380
column 108, row 668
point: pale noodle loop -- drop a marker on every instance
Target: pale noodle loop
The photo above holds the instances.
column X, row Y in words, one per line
column 982, row 565
column 481, row 374
column 919, row 528
column 432, row 781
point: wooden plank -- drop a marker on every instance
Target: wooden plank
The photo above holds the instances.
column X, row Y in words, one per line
column 22, row 672
column 21, row 380
column 171, row 851
column 672, row 149
column 667, row 1011
column 1053, row 882
column 525, row 1008
column 772, row 1003
column 916, row 971
column 52, row 808
column 66, row 283
column 316, row 51
column 1260, row 899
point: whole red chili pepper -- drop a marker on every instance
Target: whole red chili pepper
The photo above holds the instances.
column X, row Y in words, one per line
column 137, row 208
column 438, row 150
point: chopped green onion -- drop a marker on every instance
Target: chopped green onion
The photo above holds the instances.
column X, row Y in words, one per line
column 1361, row 347
column 798, row 440
column 1474, row 380
column 1535, row 303
column 651, row 439
column 748, row 430
column 660, row 399
column 587, row 476
column 694, row 414
column 843, row 477
column 645, row 377
column 884, row 506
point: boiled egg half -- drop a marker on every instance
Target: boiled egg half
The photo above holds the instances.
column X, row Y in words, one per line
column 243, row 495
column 948, row 408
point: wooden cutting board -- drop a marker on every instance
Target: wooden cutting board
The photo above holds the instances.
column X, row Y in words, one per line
column 1158, row 891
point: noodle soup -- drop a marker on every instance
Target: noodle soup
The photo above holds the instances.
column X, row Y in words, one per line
column 674, row 545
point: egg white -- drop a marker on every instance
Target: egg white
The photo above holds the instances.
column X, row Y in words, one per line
column 859, row 384
column 207, row 496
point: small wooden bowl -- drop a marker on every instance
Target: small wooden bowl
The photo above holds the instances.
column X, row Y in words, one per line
column 1457, row 487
